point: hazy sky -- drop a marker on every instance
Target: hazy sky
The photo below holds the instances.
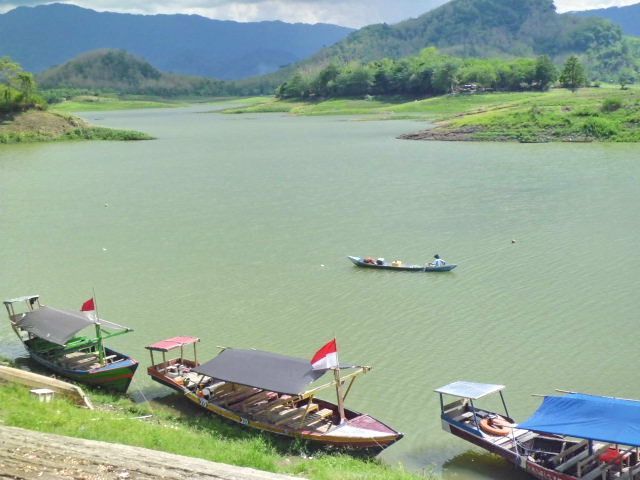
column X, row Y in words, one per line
column 353, row 13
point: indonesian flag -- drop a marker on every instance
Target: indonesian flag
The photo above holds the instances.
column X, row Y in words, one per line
column 326, row 357
column 88, row 306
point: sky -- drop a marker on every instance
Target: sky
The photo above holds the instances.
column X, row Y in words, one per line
column 351, row 13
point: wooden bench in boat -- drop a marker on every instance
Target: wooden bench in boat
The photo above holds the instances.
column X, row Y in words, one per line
column 565, row 453
column 591, row 461
column 239, row 396
column 296, row 415
column 563, row 467
column 318, row 418
column 253, row 400
column 263, row 409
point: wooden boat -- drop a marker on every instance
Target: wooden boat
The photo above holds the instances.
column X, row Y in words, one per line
column 361, row 262
column 269, row 392
column 574, row 436
column 49, row 335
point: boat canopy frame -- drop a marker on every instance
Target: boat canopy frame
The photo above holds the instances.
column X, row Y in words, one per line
column 171, row 344
column 471, row 391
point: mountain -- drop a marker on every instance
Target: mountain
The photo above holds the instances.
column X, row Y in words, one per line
column 627, row 17
column 119, row 71
column 48, row 35
column 477, row 28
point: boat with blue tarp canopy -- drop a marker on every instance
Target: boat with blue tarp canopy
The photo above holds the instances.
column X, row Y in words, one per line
column 575, row 436
column 605, row 419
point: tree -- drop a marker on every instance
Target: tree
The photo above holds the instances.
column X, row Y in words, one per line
column 573, row 76
column 26, row 85
column 446, row 76
column 545, row 73
column 627, row 77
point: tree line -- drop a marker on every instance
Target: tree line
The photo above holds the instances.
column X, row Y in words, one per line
column 431, row 73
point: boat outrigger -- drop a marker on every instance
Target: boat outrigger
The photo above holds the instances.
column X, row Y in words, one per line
column 381, row 264
column 269, row 392
column 49, row 335
column 573, row 436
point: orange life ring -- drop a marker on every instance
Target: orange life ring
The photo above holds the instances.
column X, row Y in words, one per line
column 496, row 426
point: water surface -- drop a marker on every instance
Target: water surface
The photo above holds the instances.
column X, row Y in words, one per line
column 236, row 229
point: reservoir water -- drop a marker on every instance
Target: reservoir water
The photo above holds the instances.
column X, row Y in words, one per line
column 236, row 229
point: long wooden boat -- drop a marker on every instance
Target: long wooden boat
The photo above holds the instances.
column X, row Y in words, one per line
column 573, row 436
column 50, row 336
column 269, row 392
column 362, row 262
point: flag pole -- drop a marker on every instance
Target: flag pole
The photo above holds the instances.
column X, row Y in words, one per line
column 339, row 392
column 98, row 330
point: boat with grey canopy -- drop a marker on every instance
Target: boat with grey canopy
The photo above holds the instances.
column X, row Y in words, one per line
column 50, row 335
column 572, row 436
column 272, row 393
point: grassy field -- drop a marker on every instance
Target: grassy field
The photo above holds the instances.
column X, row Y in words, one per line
column 196, row 434
column 88, row 103
column 590, row 114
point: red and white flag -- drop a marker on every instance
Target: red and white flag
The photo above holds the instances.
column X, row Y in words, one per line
column 88, row 306
column 326, row 357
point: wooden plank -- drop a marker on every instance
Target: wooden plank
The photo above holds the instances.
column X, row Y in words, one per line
column 15, row 375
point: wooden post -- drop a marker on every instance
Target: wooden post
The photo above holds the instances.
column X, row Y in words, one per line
column 336, row 374
column 98, row 332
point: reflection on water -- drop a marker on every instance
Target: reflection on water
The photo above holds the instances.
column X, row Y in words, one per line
column 479, row 464
column 236, row 229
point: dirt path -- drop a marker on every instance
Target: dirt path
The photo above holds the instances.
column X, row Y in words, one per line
column 28, row 455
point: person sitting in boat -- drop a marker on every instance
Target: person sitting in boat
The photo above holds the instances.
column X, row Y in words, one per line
column 437, row 262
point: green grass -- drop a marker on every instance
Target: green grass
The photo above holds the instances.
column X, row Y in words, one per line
column 196, row 434
column 591, row 114
column 90, row 103
column 608, row 115
column 89, row 133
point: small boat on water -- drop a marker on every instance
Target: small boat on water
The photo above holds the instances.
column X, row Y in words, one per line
column 50, row 336
column 572, row 436
column 271, row 393
column 368, row 262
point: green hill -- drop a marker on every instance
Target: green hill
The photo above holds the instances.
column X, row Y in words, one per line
column 483, row 28
column 479, row 28
column 119, row 71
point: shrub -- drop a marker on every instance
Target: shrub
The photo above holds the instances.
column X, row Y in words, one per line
column 599, row 128
column 611, row 105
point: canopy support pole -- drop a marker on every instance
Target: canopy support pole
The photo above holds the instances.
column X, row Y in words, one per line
column 475, row 417
column 353, row 379
column 504, row 404
column 336, row 375
column 100, row 344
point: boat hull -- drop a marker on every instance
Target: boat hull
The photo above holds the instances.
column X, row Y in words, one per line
column 362, row 444
column 114, row 377
column 521, row 462
column 358, row 261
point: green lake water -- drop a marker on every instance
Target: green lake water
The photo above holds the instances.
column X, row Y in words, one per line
column 236, row 229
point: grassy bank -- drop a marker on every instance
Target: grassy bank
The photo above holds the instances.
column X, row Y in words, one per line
column 590, row 114
column 39, row 126
column 194, row 433
column 91, row 103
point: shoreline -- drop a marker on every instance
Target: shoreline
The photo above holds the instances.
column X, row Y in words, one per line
column 37, row 126
column 187, row 432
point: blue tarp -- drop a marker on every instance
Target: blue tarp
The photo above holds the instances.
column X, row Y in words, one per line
column 605, row 419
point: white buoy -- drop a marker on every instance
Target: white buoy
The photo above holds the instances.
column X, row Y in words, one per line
column 104, row 249
column 322, row 265
column 106, row 204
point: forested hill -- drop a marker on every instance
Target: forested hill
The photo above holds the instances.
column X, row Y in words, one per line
column 48, row 35
column 119, row 71
column 478, row 28
column 627, row 17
